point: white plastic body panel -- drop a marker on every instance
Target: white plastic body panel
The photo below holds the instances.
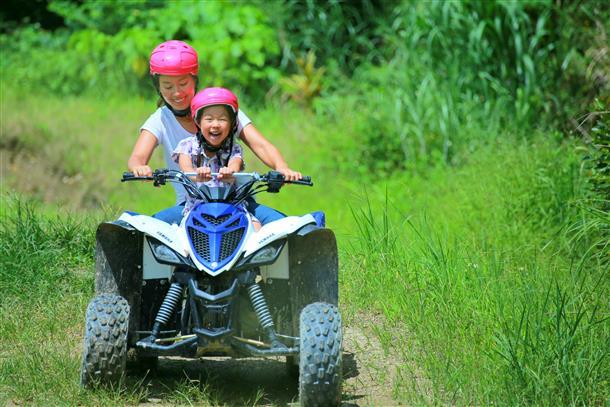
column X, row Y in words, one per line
column 276, row 230
column 176, row 238
column 162, row 231
column 151, row 268
column 279, row 269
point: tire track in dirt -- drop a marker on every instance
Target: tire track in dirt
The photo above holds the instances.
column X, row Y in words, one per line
column 369, row 372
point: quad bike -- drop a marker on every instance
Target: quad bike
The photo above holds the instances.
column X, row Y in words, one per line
column 213, row 286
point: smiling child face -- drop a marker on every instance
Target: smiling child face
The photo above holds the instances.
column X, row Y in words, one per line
column 215, row 124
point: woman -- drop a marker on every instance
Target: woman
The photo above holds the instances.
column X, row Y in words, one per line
column 174, row 66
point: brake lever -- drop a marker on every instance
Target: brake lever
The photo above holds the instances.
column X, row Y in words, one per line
column 127, row 176
column 160, row 177
column 275, row 180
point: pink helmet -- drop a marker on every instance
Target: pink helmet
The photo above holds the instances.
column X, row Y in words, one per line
column 213, row 96
column 174, row 58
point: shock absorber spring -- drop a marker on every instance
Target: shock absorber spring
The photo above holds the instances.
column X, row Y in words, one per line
column 260, row 305
column 167, row 309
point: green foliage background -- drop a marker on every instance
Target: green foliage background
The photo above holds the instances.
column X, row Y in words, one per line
column 459, row 149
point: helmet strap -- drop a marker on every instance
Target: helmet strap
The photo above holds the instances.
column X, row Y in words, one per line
column 207, row 147
column 203, row 143
column 178, row 113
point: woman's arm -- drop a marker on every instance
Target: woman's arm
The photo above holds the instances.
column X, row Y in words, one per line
column 142, row 151
column 267, row 152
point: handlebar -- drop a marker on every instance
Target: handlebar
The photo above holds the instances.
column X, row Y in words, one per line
column 128, row 176
column 271, row 176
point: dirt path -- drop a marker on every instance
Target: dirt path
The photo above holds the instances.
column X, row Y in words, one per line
column 369, row 375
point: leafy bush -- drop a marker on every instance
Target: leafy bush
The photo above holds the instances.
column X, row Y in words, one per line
column 107, row 44
column 305, row 85
column 600, row 155
column 451, row 70
column 108, row 17
column 342, row 34
column 592, row 228
column 236, row 43
column 403, row 116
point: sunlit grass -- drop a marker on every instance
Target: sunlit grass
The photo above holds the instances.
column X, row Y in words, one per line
column 487, row 273
column 473, row 265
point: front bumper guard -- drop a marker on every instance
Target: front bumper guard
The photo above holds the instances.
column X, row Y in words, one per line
column 220, row 303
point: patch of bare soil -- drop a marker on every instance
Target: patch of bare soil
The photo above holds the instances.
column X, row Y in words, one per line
column 369, row 373
column 37, row 176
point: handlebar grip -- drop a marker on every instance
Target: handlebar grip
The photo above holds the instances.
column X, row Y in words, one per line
column 303, row 181
column 127, row 176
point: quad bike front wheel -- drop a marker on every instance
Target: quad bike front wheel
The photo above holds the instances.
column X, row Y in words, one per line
column 321, row 361
column 105, row 343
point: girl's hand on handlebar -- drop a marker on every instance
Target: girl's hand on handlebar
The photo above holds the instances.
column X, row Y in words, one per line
column 203, row 174
column 142, row 171
column 225, row 174
column 290, row 175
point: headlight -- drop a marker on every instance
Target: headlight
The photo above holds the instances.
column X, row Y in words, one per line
column 265, row 255
column 164, row 254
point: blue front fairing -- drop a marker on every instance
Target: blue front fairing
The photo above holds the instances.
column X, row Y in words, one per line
column 215, row 232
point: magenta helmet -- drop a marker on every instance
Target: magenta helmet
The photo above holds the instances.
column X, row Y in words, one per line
column 211, row 97
column 174, row 58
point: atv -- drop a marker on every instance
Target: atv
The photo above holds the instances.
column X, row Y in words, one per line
column 213, row 286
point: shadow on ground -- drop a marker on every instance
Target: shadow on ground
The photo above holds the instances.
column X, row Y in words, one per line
column 227, row 381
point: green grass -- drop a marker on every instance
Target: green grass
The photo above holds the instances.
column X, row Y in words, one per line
column 491, row 274
column 476, row 238
column 473, row 264
column 47, row 242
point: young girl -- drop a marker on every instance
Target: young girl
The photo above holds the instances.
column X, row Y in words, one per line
column 174, row 67
column 212, row 149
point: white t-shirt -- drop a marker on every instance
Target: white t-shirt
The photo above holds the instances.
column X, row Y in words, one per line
column 168, row 131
